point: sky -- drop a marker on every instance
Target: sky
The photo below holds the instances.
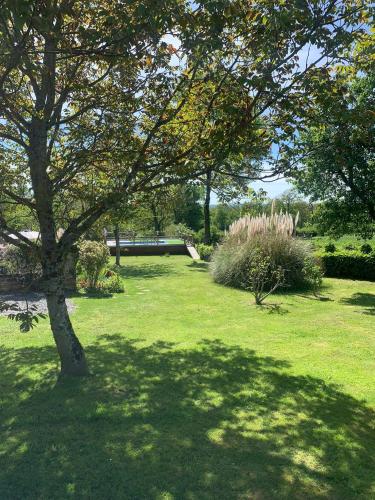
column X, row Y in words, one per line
column 273, row 189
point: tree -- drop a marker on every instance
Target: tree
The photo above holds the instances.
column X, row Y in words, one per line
column 264, row 277
column 336, row 155
column 187, row 208
column 228, row 185
column 93, row 96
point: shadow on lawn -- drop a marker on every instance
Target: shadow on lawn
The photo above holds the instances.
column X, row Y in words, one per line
column 366, row 300
column 198, row 266
column 144, row 271
column 164, row 422
column 273, row 308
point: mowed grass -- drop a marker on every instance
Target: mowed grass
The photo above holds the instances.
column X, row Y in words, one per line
column 319, row 242
column 195, row 394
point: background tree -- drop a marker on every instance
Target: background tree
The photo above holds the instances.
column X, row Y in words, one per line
column 336, row 155
column 92, row 90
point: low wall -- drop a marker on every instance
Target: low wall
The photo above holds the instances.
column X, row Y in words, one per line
column 151, row 250
column 11, row 283
column 19, row 283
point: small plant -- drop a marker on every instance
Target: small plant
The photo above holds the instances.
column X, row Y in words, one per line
column 93, row 256
column 350, row 248
column 205, row 251
column 330, row 248
column 27, row 318
column 314, row 275
column 112, row 284
column 264, row 277
column 366, row 248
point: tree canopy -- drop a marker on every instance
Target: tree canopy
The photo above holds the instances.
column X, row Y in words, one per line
column 336, row 156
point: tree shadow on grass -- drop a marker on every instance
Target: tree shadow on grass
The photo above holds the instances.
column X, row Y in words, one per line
column 198, row 266
column 365, row 300
column 273, row 308
column 89, row 294
column 145, row 271
column 160, row 421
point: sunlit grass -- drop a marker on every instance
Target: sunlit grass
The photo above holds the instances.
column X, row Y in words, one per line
column 195, row 394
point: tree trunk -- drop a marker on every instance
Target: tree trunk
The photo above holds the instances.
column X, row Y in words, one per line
column 206, row 209
column 118, row 248
column 71, row 353
column 156, row 221
column 72, row 356
column 70, row 270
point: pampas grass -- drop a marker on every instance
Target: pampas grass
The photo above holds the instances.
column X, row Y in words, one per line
column 268, row 235
column 248, row 226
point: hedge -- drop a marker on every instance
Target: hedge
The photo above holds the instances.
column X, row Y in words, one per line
column 348, row 264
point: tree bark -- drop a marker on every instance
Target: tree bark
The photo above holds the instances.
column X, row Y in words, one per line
column 206, row 209
column 156, row 221
column 72, row 355
column 118, row 248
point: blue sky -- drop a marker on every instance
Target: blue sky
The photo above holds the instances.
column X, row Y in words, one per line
column 274, row 188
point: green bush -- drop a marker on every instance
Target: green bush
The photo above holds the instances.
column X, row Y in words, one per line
column 112, row 284
column 330, row 248
column 23, row 262
column 350, row 265
column 366, row 248
column 93, row 257
column 313, row 274
column 205, row 251
column 231, row 261
column 216, row 235
column 180, row 231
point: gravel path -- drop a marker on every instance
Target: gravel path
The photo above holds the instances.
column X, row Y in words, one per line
column 33, row 298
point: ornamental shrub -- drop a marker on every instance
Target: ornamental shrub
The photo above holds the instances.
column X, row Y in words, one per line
column 112, row 284
column 231, row 261
column 205, row 251
column 266, row 242
column 93, row 257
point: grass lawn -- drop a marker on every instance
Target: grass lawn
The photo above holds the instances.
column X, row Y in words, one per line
column 320, row 242
column 195, row 394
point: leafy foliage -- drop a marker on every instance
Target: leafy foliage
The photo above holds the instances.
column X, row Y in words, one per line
column 23, row 261
column 232, row 260
column 205, row 251
column 349, row 265
column 336, row 155
column 93, row 257
column 179, row 231
column 112, row 284
column 264, row 277
column 330, row 248
column 27, row 317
